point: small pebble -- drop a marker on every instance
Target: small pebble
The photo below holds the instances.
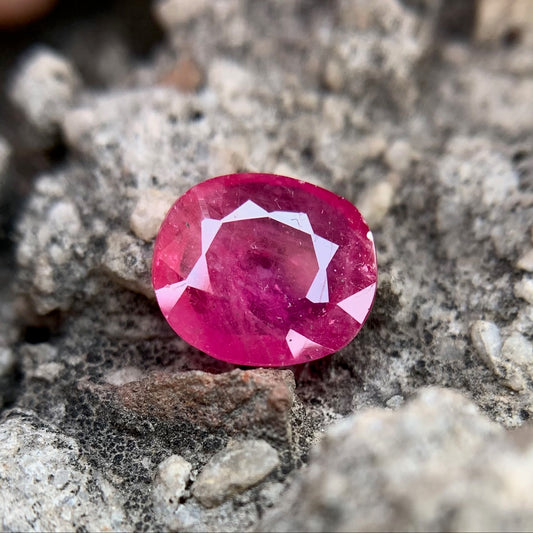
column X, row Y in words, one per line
column 524, row 289
column 526, row 261
column 172, row 13
column 239, row 466
column 395, row 401
column 171, row 479
column 399, row 155
column 151, row 208
column 186, row 75
column 487, row 342
column 518, row 349
column 375, row 202
column 43, row 88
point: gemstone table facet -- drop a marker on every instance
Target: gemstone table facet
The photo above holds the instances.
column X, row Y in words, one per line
column 264, row 270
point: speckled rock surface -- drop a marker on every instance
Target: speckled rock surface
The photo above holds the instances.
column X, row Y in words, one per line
column 436, row 463
column 418, row 112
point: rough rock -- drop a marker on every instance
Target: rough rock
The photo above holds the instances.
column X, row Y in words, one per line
column 238, row 467
column 128, row 262
column 463, row 472
column 44, row 88
column 255, row 402
column 48, row 485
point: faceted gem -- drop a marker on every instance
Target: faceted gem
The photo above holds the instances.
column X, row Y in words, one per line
column 264, row 270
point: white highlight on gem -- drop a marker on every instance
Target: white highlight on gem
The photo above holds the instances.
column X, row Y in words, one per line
column 319, row 290
column 248, row 210
column 324, row 251
column 169, row 295
column 210, row 227
column 369, row 236
column 299, row 221
column 357, row 305
column 297, row 343
column 198, row 277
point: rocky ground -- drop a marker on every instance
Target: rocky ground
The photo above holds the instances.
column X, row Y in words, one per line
column 418, row 111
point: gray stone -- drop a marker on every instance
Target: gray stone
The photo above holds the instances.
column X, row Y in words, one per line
column 48, row 485
column 240, row 466
column 44, row 87
column 462, row 470
column 518, row 349
column 128, row 262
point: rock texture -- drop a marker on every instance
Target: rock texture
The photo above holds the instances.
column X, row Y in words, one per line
column 47, row 484
column 419, row 112
column 437, row 464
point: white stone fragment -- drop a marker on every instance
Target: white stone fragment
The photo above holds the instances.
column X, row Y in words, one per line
column 172, row 13
column 148, row 214
column 47, row 484
column 518, row 349
column 376, row 201
column 399, row 156
column 524, row 289
column 170, row 482
column 487, row 341
column 43, row 88
column 124, row 375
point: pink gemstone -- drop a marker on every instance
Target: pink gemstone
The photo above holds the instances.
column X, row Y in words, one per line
column 264, row 270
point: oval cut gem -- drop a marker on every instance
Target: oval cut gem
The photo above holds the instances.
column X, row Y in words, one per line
column 264, row 270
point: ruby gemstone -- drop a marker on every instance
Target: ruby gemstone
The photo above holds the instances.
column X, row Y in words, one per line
column 264, row 270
